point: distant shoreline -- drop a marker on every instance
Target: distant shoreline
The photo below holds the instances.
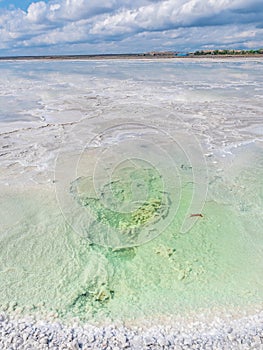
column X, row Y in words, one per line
column 124, row 56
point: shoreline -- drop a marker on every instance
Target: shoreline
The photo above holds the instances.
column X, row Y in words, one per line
column 245, row 332
column 123, row 57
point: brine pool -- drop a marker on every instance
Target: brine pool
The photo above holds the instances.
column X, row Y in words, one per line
column 131, row 190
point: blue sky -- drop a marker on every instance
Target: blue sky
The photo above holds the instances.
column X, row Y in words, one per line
column 23, row 4
column 123, row 26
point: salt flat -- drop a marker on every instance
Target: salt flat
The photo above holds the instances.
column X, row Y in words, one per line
column 131, row 192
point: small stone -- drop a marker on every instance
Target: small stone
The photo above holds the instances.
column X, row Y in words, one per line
column 44, row 340
column 253, row 331
column 19, row 341
column 256, row 339
column 137, row 342
column 231, row 337
column 148, row 340
column 121, row 338
column 75, row 345
column 91, row 338
column 21, row 327
column 187, row 341
column 25, row 336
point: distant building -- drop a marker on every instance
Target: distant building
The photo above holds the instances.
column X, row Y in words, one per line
column 162, row 53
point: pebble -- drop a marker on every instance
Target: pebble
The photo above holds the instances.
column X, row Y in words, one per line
column 229, row 330
column 257, row 340
column 28, row 334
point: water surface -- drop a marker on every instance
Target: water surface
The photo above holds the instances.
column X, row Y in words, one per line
column 104, row 163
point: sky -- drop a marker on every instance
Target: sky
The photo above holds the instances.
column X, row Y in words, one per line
column 128, row 26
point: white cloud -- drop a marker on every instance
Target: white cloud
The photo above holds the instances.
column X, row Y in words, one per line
column 163, row 22
column 37, row 12
column 70, row 33
column 80, row 9
column 171, row 14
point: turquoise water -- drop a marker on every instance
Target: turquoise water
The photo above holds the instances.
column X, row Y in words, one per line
column 130, row 196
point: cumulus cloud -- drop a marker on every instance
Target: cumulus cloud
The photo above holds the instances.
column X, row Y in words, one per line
column 171, row 14
column 126, row 23
column 37, row 12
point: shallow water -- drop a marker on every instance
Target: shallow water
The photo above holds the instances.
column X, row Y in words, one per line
column 103, row 164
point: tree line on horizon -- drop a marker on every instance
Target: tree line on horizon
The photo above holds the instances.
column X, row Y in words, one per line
column 228, row 52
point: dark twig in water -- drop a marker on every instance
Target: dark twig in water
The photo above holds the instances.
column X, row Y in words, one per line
column 196, row 215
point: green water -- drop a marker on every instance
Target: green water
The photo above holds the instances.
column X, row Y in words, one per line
column 46, row 266
column 122, row 206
